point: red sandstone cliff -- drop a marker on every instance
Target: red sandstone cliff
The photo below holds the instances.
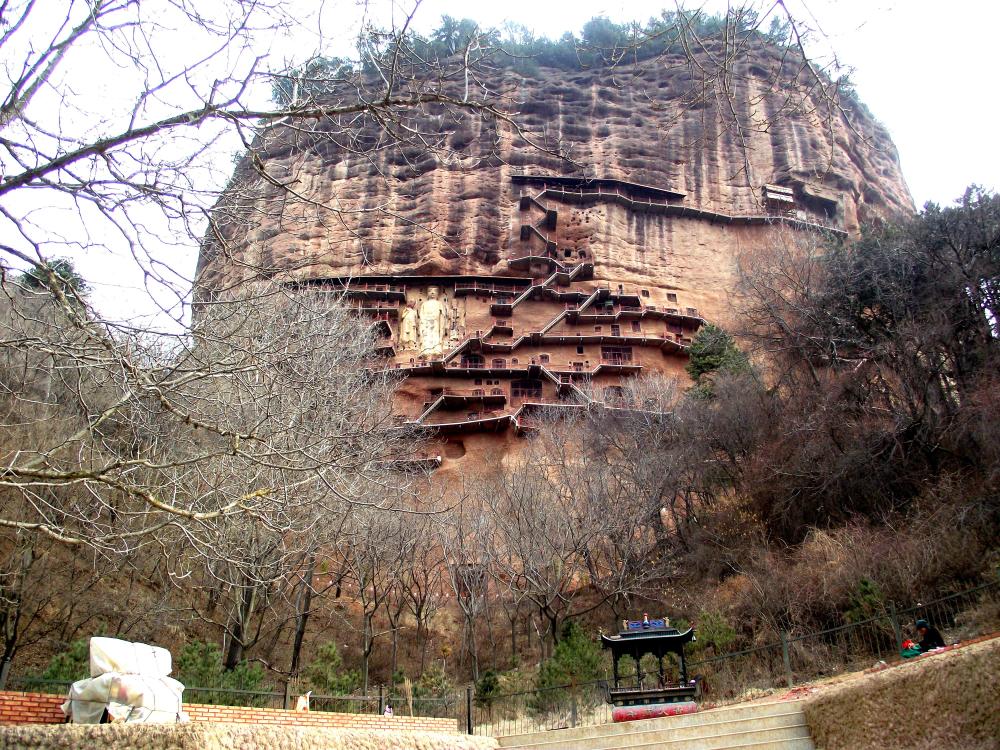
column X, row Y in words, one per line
column 508, row 276
column 359, row 207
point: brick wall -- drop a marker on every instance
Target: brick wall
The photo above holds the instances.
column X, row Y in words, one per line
column 240, row 715
column 39, row 708
column 31, row 708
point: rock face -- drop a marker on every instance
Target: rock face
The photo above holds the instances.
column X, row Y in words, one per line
column 505, row 276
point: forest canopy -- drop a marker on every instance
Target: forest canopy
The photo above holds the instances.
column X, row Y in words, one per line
column 601, row 42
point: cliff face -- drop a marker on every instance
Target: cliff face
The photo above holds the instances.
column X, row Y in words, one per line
column 490, row 255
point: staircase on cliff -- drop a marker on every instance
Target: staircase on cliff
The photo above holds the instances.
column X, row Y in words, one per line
column 757, row 726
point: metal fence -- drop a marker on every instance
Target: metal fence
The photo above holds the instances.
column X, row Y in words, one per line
column 541, row 709
column 280, row 697
column 754, row 672
column 725, row 678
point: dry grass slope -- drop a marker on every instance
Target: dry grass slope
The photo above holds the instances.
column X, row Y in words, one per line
column 949, row 700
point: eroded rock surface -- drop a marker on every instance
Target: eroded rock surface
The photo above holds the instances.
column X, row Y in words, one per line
column 506, row 276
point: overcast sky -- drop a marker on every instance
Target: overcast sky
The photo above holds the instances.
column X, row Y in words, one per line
column 924, row 69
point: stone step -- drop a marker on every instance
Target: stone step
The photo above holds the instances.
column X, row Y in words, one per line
column 664, row 740
column 798, row 743
column 740, row 728
column 726, row 713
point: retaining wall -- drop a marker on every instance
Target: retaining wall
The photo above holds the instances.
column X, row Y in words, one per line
column 205, row 736
column 946, row 700
column 41, row 708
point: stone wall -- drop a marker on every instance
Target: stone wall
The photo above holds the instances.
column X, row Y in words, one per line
column 40, row 708
column 203, row 736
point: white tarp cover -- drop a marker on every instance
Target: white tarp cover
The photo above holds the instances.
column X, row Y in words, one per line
column 130, row 681
column 114, row 655
column 128, row 697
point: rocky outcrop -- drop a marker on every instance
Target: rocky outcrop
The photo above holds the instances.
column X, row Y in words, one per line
column 358, row 206
column 506, row 275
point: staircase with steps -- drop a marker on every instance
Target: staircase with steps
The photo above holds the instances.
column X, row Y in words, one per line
column 758, row 726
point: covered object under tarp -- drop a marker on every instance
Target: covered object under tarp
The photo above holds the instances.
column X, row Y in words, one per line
column 128, row 682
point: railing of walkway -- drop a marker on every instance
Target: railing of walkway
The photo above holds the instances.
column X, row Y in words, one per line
column 753, row 672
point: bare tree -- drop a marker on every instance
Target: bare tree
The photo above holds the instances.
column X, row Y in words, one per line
column 570, row 532
column 424, row 581
column 139, row 179
column 374, row 549
column 229, row 447
column 468, row 547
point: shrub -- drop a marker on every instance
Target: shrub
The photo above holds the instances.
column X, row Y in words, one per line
column 714, row 631
column 487, row 687
column 713, row 350
column 69, row 665
column 433, row 683
column 576, row 659
column 326, row 673
column 866, row 602
column 199, row 667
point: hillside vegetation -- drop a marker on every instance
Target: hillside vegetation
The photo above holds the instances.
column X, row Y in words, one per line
column 836, row 452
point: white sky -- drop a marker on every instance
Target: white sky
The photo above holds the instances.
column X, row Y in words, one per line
column 921, row 67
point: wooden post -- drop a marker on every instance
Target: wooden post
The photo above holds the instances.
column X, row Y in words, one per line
column 896, row 628
column 785, row 658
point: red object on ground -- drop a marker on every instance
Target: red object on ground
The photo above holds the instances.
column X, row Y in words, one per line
column 652, row 711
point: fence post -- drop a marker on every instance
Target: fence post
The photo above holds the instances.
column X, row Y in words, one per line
column 286, row 701
column 573, row 710
column 785, row 658
column 468, row 709
column 896, row 629
column 381, row 699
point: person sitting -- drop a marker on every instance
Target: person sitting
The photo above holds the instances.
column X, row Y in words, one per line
column 388, row 709
column 930, row 638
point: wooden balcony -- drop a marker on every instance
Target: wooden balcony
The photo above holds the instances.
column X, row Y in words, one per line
column 454, row 398
column 395, row 292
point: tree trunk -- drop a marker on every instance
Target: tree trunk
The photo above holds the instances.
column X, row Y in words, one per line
column 513, row 639
column 367, row 652
column 423, row 635
column 237, row 638
column 395, row 652
column 473, row 649
column 234, row 652
column 303, row 604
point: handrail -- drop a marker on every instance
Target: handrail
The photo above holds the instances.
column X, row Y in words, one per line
column 690, row 212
